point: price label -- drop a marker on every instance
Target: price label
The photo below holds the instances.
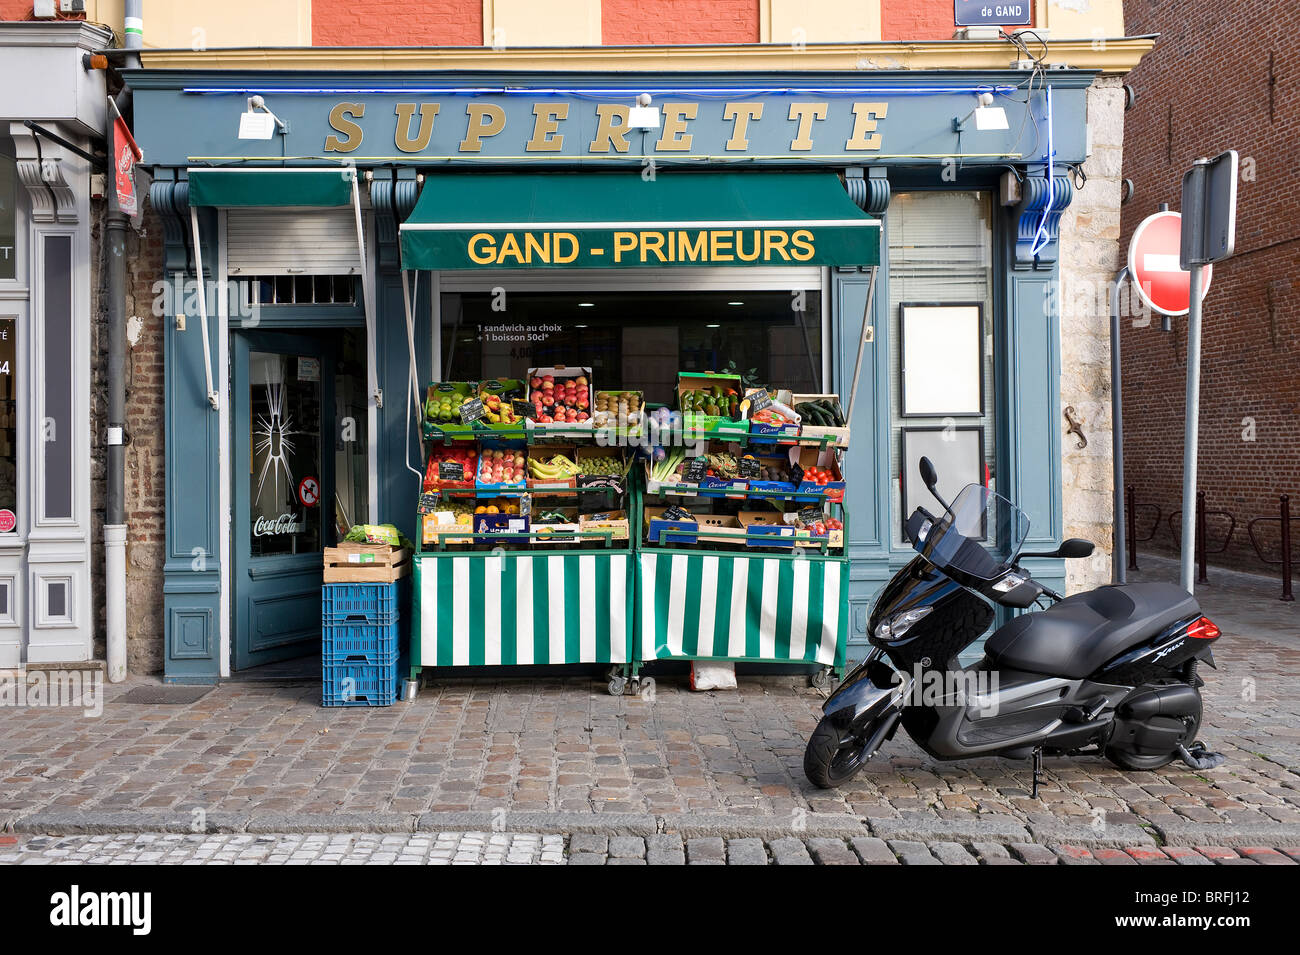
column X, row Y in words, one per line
column 810, row 515
column 677, row 513
column 696, row 471
column 749, row 467
column 472, row 411
column 451, row 471
column 758, row 400
column 524, row 408
column 428, row 503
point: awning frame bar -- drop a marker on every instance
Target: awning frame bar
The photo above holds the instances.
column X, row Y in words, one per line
column 213, row 398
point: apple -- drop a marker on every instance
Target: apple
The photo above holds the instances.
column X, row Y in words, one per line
column 535, row 382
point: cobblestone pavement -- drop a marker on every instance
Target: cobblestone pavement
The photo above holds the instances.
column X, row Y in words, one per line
column 468, row 754
column 521, row 848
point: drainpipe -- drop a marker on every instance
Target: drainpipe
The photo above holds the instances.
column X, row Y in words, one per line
column 115, row 529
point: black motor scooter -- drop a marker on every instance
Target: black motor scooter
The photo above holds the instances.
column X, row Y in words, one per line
column 1108, row 672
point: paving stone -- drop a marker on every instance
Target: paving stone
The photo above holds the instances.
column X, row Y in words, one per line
column 952, row 853
column 994, row 853
column 1033, row 854
column 705, row 850
column 746, row 852
column 873, row 851
column 832, row 852
column 913, row 853
column 588, row 842
column 1265, row 856
column 790, row 851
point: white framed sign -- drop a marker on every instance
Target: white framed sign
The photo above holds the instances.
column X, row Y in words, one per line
column 942, row 349
column 957, row 455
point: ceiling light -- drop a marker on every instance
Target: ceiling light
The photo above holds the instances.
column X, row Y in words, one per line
column 735, row 303
column 712, row 326
column 586, row 305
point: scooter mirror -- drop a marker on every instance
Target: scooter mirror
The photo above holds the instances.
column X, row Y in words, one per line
column 929, row 475
column 1075, row 547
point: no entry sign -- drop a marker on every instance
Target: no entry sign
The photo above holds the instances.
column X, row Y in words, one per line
column 1153, row 265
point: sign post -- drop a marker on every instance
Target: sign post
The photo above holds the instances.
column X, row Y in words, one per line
column 1209, row 235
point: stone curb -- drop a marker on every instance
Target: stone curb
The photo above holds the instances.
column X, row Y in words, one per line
column 927, row 827
column 735, row 826
column 596, row 823
column 1112, row 836
column 1184, row 832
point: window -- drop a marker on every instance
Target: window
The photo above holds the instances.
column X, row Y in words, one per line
column 298, row 289
column 941, row 254
column 8, row 210
column 636, row 340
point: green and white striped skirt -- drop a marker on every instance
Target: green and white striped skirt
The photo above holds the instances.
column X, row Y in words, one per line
column 503, row 609
column 739, row 607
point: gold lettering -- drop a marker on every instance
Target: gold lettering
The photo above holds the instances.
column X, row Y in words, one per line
column 608, row 132
column 674, row 137
column 485, row 119
column 543, row 248
column 623, row 242
column 802, row 245
column 482, row 249
column 562, row 258
column 740, row 245
column 652, row 242
column 805, row 113
column 696, row 252
column 774, row 240
column 719, row 246
column 741, row 113
column 405, row 113
column 510, row 247
column 545, row 126
column 341, row 121
column 864, row 122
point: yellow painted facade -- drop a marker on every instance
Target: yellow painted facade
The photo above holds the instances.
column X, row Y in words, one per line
column 201, row 24
column 818, row 21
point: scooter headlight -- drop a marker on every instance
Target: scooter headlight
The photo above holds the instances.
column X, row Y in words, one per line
column 898, row 624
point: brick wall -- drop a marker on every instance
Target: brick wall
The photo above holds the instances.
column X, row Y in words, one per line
column 919, row 19
column 1250, row 375
column 397, row 23
column 679, row 21
column 15, row 9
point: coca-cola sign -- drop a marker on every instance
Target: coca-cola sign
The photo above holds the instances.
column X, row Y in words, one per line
column 273, row 526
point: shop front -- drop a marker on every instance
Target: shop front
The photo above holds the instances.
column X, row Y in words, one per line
column 634, row 392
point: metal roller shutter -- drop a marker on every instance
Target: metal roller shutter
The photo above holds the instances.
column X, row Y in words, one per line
column 297, row 242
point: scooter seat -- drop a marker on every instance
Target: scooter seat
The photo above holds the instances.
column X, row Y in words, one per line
column 1073, row 638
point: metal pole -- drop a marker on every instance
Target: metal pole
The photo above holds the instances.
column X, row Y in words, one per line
column 862, row 341
column 1286, row 549
column 1117, row 430
column 1191, row 428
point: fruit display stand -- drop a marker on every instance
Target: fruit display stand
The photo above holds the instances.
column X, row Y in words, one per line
column 742, row 586
column 505, row 590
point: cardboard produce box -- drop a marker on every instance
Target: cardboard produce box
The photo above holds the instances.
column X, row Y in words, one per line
column 541, row 454
column 772, row 526
column 657, row 520
column 553, row 385
column 810, row 429
column 614, row 521
column 444, row 398
column 699, row 394
column 728, row 525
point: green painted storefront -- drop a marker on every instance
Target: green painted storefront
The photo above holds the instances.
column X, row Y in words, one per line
column 189, row 121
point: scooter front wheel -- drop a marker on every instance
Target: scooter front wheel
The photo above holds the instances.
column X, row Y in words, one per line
column 834, row 755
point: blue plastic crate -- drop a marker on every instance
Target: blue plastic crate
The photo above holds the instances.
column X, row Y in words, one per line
column 364, row 684
column 360, row 643
column 363, row 603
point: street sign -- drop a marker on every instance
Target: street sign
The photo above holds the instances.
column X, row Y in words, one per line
column 1210, row 208
column 974, row 13
column 1155, row 267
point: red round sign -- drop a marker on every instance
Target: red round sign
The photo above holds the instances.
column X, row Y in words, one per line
column 309, row 491
column 8, row 521
column 1153, row 265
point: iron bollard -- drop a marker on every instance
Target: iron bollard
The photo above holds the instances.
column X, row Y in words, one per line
column 1286, row 548
column 1201, row 578
column 1132, row 528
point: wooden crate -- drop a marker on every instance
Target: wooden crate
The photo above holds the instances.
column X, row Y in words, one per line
column 366, row 563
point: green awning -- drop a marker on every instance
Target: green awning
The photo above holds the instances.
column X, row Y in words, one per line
column 633, row 220
column 271, row 187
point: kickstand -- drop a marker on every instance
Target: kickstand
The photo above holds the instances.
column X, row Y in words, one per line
column 1038, row 771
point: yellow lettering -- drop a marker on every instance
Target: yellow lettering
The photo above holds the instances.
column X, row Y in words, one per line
column 482, row 249
column 545, row 127
column 802, row 245
column 674, row 137
column 696, row 252
column 510, row 248
column 562, row 258
column 543, row 248
column 740, row 245
column 623, row 242
column 405, row 113
column 652, row 242
column 719, row 246
column 485, row 119
column 608, row 132
column 864, row 122
column 774, row 240
column 805, row 113
column 741, row 114
column 341, row 121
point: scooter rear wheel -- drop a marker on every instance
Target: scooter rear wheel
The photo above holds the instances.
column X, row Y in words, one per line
column 832, row 758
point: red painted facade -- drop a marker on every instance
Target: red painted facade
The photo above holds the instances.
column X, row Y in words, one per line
column 397, row 23
column 645, row 22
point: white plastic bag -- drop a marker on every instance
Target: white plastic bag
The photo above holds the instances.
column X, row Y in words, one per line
column 713, row 675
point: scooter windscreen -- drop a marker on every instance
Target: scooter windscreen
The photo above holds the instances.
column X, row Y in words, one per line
column 977, row 538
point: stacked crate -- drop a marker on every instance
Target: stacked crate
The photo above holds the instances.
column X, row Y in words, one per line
column 359, row 643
